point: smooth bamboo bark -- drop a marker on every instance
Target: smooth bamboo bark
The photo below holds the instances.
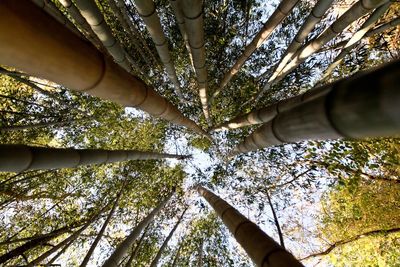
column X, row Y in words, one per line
column 383, row 27
column 273, row 21
column 157, row 258
column 18, row 158
column 135, row 251
column 355, row 39
column 72, row 62
column 147, row 11
column 123, row 247
column 356, row 11
column 315, row 16
column 266, row 114
column 192, row 11
column 366, row 105
column 103, row 228
column 261, row 248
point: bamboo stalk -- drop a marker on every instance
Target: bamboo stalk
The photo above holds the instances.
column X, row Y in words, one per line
column 356, row 11
column 68, row 60
column 383, row 27
column 273, row 21
column 315, row 16
column 123, row 247
column 147, row 11
column 18, row 158
column 366, row 105
column 95, row 19
column 355, row 39
column 192, row 11
column 261, row 248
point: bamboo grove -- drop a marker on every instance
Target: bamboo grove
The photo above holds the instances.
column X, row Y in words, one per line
column 111, row 108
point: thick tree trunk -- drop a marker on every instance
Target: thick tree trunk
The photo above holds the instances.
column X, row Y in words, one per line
column 358, row 107
column 261, row 248
column 72, row 62
column 192, row 11
column 276, row 18
column 147, row 11
column 359, row 9
column 103, row 228
column 355, row 39
column 18, row 158
column 123, row 247
column 157, row 258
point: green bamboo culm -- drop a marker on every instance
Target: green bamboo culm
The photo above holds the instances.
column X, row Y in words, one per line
column 19, row 158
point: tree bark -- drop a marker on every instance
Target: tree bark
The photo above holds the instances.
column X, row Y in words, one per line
column 18, row 158
column 261, row 248
column 358, row 107
column 137, row 247
column 157, row 258
column 123, row 247
column 74, row 63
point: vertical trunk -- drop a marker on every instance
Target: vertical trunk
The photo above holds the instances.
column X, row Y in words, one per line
column 165, row 243
column 357, row 107
column 123, row 247
column 192, row 11
column 200, row 254
column 135, row 250
column 278, row 227
column 261, row 248
column 18, row 158
column 72, row 62
column 103, row 228
column 276, row 18
column 147, row 11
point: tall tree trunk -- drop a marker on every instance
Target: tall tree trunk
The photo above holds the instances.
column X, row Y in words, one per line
column 103, row 228
column 357, row 107
column 18, row 158
column 200, row 254
column 192, row 11
column 135, row 250
column 74, row 63
column 177, row 255
column 278, row 227
column 147, row 11
column 273, row 21
column 157, row 258
column 359, row 9
column 261, row 248
column 123, row 247
column 50, row 262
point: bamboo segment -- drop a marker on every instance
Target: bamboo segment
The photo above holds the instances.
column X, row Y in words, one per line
column 93, row 16
column 147, row 11
column 194, row 26
column 276, row 18
column 266, row 114
column 261, row 248
column 359, row 9
column 315, row 16
column 122, row 249
column 73, row 63
column 18, row 158
column 366, row 105
column 79, row 20
column 356, row 38
column 383, row 27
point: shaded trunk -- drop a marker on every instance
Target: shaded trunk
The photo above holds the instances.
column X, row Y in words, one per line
column 147, row 11
column 357, row 107
column 278, row 227
column 359, row 9
column 192, row 11
column 135, row 250
column 157, row 258
column 261, row 248
column 103, row 228
column 123, row 247
column 18, row 158
column 73, row 62
column 273, row 21
column 355, row 39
